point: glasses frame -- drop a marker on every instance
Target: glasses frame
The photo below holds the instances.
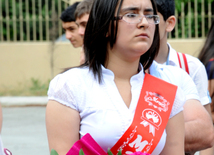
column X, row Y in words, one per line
column 142, row 16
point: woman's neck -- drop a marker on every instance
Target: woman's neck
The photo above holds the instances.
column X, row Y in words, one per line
column 121, row 68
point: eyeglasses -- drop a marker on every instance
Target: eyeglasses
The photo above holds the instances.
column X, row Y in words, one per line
column 133, row 18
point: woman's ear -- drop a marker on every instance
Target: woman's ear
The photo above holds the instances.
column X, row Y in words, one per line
column 171, row 21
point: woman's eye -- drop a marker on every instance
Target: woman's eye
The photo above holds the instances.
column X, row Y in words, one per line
column 149, row 16
column 131, row 15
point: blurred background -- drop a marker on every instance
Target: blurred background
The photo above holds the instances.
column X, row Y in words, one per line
column 33, row 48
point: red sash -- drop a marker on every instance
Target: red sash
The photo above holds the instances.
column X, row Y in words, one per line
column 150, row 119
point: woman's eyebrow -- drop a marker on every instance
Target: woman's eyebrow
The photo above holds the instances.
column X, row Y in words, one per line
column 129, row 9
column 136, row 9
column 149, row 10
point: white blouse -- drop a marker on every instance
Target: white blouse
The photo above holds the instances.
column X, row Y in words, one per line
column 102, row 110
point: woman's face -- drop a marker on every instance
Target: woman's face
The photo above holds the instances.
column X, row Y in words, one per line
column 134, row 39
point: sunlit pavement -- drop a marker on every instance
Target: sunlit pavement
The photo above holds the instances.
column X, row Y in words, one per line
column 23, row 130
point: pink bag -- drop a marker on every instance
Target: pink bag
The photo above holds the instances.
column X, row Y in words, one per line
column 88, row 145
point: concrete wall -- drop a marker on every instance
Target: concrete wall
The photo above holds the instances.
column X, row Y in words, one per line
column 189, row 46
column 19, row 62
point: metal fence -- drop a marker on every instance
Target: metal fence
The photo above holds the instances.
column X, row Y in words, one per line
column 194, row 18
column 38, row 20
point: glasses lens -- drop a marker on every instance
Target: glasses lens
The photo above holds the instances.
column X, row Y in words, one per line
column 131, row 18
column 152, row 19
column 136, row 18
column 156, row 19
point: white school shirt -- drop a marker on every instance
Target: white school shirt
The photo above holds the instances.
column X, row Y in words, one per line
column 102, row 110
column 176, row 76
column 197, row 72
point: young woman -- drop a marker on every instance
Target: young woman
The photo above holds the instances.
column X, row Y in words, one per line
column 102, row 96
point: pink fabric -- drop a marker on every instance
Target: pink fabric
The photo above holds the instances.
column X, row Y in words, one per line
column 88, row 145
column 7, row 152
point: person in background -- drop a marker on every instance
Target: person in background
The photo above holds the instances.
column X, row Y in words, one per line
column 101, row 96
column 206, row 56
column 198, row 126
column 70, row 27
column 81, row 16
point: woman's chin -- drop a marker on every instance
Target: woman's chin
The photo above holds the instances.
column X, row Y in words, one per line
column 141, row 50
column 142, row 46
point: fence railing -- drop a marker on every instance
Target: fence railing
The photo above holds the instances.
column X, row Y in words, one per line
column 194, row 18
column 38, row 20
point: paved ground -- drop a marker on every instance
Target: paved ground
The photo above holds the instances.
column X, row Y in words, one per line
column 23, row 131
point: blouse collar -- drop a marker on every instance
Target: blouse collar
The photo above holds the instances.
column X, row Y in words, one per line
column 108, row 74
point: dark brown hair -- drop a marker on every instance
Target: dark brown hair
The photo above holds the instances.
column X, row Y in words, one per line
column 83, row 7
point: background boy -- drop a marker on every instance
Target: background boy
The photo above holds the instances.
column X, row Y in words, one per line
column 70, row 27
column 196, row 135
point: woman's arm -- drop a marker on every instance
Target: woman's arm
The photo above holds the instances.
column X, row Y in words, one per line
column 175, row 136
column 62, row 125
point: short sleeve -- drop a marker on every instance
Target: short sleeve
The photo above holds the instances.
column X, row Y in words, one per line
column 201, row 81
column 188, row 86
column 60, row 90
column 178, row 102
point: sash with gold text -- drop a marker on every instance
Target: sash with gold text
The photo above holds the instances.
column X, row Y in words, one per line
column 150, row 119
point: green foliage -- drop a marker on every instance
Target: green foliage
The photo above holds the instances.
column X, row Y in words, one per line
column 38, row 88
column 109, row 152
column 31, row 13
column 34, row 10
column 193, row 10
column 53, row 152
column 35, row 88
column 81, row 152
column 119, row 153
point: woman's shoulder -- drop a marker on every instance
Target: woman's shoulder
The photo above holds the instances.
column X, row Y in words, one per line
column 72, row 76
column 76, row 70
column 75, row 73
column 64, row 87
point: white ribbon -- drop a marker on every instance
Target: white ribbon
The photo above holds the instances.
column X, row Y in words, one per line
column 151, row 127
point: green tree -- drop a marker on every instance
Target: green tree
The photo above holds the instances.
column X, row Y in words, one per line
column 30, row 11
column 192, row 11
